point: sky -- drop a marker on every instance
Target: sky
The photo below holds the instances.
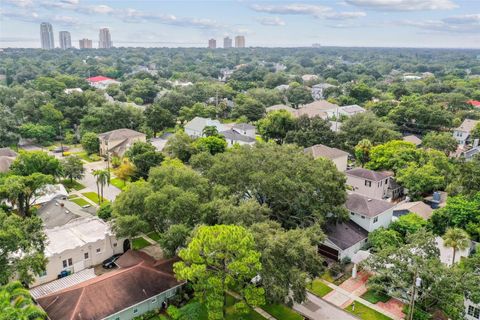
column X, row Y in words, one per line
column 157, row 23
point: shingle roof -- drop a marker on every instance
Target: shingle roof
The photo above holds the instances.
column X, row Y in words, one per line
column 413, row 139
column 418, row 207
column 244, row 126
column 369, row 174
column 110, row 293
column 199, row 123
column 7, row 152
column 58, row 212
column 366, row 206
column 345, row 234
column 320, row 150
column 235, row 136
column 98, row 79
column 352, row 109
column 120, row 134
column 320, row 105
column 5, row 163
column 468, row 125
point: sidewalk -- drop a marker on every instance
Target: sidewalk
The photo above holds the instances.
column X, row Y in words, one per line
column 262, row 312
column 316, row 308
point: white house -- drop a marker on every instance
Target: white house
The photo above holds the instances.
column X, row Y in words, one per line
column 472, row 310
column 369, row 183
column 343, row 240
column 462, row 133
column 309, row 77
column 245, row 129
column 319, row 89
column 194, row 128
column 101, row 82
column 368, row 213
column 337, row 156
column 232, row 137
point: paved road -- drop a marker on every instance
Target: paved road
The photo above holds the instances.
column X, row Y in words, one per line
column 109, row 192
column 317, row 309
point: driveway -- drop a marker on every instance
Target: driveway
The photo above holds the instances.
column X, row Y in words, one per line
column 317, row 309
column 109, row 191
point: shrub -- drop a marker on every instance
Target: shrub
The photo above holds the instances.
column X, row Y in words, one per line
column 105, row 211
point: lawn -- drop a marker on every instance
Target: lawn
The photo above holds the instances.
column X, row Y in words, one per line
column 327, row 276
column 154, row 236
column 93, row 196
column 140, row 243
column 89, row 158
column 282, row 312
column 81, row 202
column 373, row 296
column 365, row 313
column 318, row 288
column 118, row 183
column 72, row 184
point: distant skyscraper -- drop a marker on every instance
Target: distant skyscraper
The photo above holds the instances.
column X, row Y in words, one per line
column 239, row 42
column 227, row 42
column 85, row 44
column 65, row 40
column 105, row 41
column 212, row 44
column 46, row 35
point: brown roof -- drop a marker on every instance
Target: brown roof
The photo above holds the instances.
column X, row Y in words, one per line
column 5, row 163
column 320, row 105
column 468, row 125
column 369, row 174
column 418, row 207
column 120, row 134
column 413, row 139
column 110, row 293
column 345, row 234
column 366, row 206
column 7, row 152
column 320, row 150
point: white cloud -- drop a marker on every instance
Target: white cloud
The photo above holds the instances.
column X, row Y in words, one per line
column 271, row 21
column 404, row 5
column 19, row 3
column 317, row 11
column 468, row 23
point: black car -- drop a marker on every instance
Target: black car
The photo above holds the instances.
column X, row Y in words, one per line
column 110, row 262
column 60, row 149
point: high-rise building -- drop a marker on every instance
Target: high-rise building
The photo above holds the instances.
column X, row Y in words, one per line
column 104, row 41
column 239, row 42
column 65, row 40
column 212, row 44
column 227, row 42
column 85, row 44
column 46, row 36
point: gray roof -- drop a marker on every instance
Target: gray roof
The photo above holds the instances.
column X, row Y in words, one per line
column 244, row 126
column 199, row 123
column 418, row 207
column 235, row 136
column 366, row 206
column 60, row 211
column 369, row 174
column 468, row 125
column 120, row 134
column 7, row 152
column 320, row 150
column 413, row 139
column 5, row 163
column 345, row 234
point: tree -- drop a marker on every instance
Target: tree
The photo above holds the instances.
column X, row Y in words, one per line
column 361, row 92
column 158, row 118
column 211, row 144
column 221, row 258
column 307, row 132
column 467, row 180
column 21, row 235
column 43, row 134
column 209, row 131
column 382, row 238
column 362, row 151
column 125, row 171
column 173, row 238
column 420, row 179
column 457, row 239
column 248, row 107
column 105, row 211
column 392, row 155
column 179, row 146
column 475, row 133
column 144, row 161
column 90, row 142
column 442, row 141
column 72, row 168
column 298, row 94
column 408, row 224
column 16, row 303
column 28, row 163
column 102, row 178
column 276, row 125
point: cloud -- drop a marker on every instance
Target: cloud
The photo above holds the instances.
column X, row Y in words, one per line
column 271, row 21
column 317, row 11
column 19, row 3
column 404, row 5
column 468, row 23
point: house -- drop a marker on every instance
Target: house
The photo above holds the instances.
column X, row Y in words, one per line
column 446, row 253
column 418, row 207
column 233, row 136
column 245, row 129
column 101, row 82
column 194, row 128
column 72, row 90
column 368, row 213
column 472, row 310
column 413, row 139
column 49, row 192
column 309, row 77
column 474, row 103
column 350, row 110
column 141, row 284
column 116, row 142
column 319, row 89
column 7, row 156
column 337, row 156
column 321, row 108
column 369, row 183
column 344, row 239
column 469, row 153
column 462, row 133
column 282, row 87
column 437, row 200
column 335, row 126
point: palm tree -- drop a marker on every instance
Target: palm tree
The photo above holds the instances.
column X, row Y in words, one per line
column 457, row 239
column 103, row 178
column 16, row 303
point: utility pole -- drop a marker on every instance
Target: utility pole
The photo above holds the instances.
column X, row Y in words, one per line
column 61, row 139
column 417, row 282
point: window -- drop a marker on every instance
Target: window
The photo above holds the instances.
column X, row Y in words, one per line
column 474, row 312
column 363, row 217
column 154, row 300
column 67, row 263
column 135, row 311
column 386, row 181
column 42, row 273
column 85, row 256
column 368, row 183
column 352, row 213
column 375, row 219
column 115, row 245
column 117, row 318
column 98, row 250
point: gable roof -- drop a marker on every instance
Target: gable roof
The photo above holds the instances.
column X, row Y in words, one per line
column 320, row 150
column 120, row 134
column 199, row 123
column 110, row 293
column 319, row 105
column 7, row 152
column 244, row 126
column 345, row 234
column 366, row 206
column 468, row 125
column 5, row 163
column 413, row 139
column 59, row 211
column 474, row 103
column 418, row 207
column 98, row 79
column 369, row 174
column 236, row 136
column 352, row 109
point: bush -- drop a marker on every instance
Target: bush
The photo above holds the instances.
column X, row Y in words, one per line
column 90, row 142
column 105, row 211
column 115, row 161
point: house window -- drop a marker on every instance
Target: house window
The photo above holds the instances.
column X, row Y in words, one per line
column 85, row 256
column 368, row 183
column 42, row 273
column 115, row 245
column 386, row 181
column 154, row 300
column 135, row 311
column 363, row 217
column 352, row 213
column 98, row 250
column 474, row 312
column 117, row 318
column 67, row 263
column 375, row 219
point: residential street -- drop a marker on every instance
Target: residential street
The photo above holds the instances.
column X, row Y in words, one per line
column 317, row 309
column 109, row 191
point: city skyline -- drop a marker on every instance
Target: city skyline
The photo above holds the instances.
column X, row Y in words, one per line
column 378, row 23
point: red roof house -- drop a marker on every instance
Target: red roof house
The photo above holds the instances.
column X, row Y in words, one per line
column 474, row 103
column 98, row 79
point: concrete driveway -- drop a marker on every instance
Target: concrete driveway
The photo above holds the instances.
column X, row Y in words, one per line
column 109, row 191
column 317, row 309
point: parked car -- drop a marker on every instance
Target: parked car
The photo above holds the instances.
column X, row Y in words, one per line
column 59, row 149
column 110, row 262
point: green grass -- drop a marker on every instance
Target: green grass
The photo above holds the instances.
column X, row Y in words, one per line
column 89, row 158
column 365, row 313
column 139, row 243
column 282, row 312
column 72, row 185
column 93, row 196
column 327, row 276
column 318, row 288
column 116, row 182
column 373, row 296
column 81, row 202
column 153, row 236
